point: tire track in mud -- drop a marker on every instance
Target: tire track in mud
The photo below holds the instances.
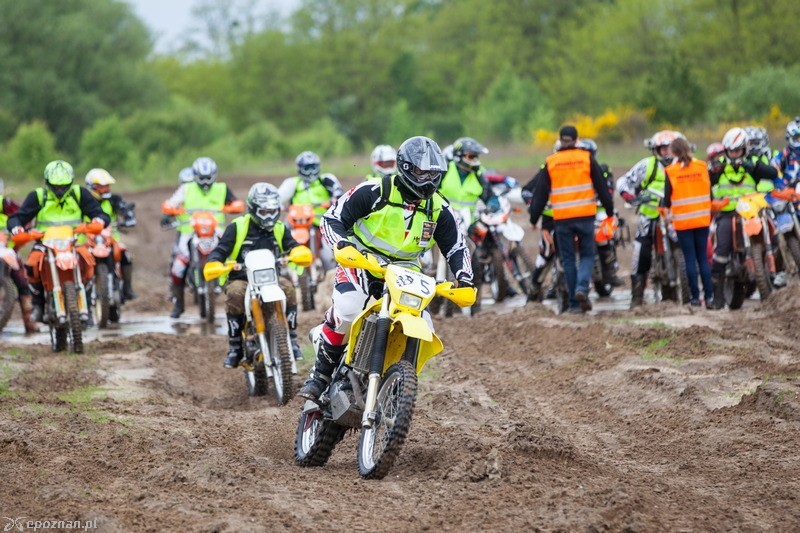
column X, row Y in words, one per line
column 643, row 421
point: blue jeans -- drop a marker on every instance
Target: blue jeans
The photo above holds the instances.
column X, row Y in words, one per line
column 694, row 243
column 566, row 233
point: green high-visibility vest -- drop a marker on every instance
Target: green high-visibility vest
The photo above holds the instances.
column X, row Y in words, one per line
column 314, row 194
column 242, row 225
column 196, row 199
column 383, row 231
column 3, row 216
column 55, row 212
column 459, row 193
column 733, row 184
column 656, row 185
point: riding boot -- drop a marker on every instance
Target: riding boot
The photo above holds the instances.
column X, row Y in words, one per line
column 177, row 299
column 127, row 282
column 608, row 265
column 718, row 282
column 536, row 285
column 37, row 301
column 26, row 306
column 637, row 290
column 328, row 357
column 291, row 319
column 235, row 348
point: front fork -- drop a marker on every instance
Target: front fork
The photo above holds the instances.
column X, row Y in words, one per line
column 376, row 361
column 769, row 253
column 58, row 292
column 667, row 250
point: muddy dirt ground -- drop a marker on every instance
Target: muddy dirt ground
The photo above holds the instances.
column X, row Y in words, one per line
column 659, row 419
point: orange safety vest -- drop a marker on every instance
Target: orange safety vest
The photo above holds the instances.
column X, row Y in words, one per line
column 691, row 195
column 571, row 191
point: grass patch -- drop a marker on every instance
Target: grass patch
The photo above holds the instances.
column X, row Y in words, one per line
column 5, row 377
column 82, row 395
column 657, row 350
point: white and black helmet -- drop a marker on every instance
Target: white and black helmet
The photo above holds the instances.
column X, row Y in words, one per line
column 757, row 140
column 793, row 133
column 308, row 164
column 186, row 175
column 383, row 160
column 420, row 167
column 735, row 139
column 205, row 172
column 264, row 205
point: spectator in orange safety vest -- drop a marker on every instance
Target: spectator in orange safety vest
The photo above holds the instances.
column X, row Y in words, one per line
column 688, row 193
column 570, row 178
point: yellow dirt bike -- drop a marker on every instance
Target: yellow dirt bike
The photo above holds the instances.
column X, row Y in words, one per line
column 375, row 385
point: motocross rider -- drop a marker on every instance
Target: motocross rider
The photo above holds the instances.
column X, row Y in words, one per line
column 258, row 229
column 739, row 175
column 9, row 207
column 203, row 193
column 384, row 162
column 787, row 161
column 646, row 179
column 310, row 187
column 98, row 182
column 396, row 219
column 59, row 202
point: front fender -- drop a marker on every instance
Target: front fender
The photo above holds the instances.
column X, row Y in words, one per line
column 271, row 293
column 513, row 232
column 415, row 326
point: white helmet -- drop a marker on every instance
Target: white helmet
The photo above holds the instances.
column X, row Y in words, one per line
column 383, row 160
column 99, row 182
column 186, row 175
column 735, row 139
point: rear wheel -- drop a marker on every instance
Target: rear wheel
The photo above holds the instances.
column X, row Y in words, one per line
column 562, row 293
column 380, row 444
column 102, row 295
column 256, row 379
column 477, row 278
column 315, row 438
column 73, row 317
column 681, row 294
column 525, row 268
column 794, row 249
column 7, row 294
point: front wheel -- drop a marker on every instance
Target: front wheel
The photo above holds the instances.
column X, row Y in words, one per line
column 682, row 293
column 524, row 267
column 499, row 281
column 73, row 317
column 763, row 279
column 306, row 290
column 793, row 244
column 281, row 355
column 7, row 293
column 102, row 295
column 209, row 301
column 380, row 444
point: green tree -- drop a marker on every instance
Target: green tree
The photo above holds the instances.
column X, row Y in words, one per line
column 29, row 151
column 106, row 145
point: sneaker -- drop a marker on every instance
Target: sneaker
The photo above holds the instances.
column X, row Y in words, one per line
column 550, row 294
column 616, row 281
column 298, row 353
column 583, row 301
column 313, row 388
column 695, row 302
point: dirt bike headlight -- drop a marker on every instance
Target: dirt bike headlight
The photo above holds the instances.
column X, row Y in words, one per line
column 57, row 244
column 409, row 300
column 264, row 276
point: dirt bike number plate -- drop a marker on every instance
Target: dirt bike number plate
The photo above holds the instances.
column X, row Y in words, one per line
column 413, row 282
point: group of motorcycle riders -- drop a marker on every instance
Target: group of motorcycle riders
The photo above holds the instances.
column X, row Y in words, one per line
column 418, row 187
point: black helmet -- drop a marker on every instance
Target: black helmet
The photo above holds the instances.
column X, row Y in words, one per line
column 264, row 205
column 420, row 167
column 466, row 153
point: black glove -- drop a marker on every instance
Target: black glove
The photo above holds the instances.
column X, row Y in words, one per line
column 748, row 166
column 166, row 222
column 464, row 284
column 344, row 244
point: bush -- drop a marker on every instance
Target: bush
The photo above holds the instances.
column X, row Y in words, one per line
column 8, row 124
column 180, row 126
column 105, row 145
column 754, row 95
column 263, row 140
column 322, row 138
column 29, row 151
column 400, row 124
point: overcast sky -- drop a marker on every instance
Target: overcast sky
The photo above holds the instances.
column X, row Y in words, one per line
column 168, row 19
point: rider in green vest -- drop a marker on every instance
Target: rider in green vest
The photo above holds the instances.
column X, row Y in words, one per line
column 464, row 183
column 257, row 230
column 383, row 160
column 203, row 194
column 98, row 182
column 397, row 218
column 8, row 207
column 60, row 202
column 644, row 185
column 738, row 176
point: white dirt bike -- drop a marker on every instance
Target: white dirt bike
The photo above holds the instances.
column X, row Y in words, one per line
column 267, row 351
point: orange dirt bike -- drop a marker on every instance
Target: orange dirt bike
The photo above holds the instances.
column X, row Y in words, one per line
column 204, row 239
column 63, row 268
column 106, row 288
column 375, row 385
column 301, row 220
column 8, row 293
column 268, row 354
